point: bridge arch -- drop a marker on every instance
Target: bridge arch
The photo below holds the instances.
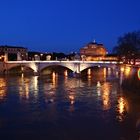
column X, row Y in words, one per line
column 58, row 68
column 70, row 67
column 20, row 69
column 87, row 66
column 31, row 66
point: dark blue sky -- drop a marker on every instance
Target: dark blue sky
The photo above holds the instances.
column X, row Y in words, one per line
column 66, row 25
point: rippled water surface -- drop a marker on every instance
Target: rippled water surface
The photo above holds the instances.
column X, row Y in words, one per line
column 67, row 108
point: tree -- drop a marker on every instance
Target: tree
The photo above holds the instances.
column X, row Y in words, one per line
column 128, row 46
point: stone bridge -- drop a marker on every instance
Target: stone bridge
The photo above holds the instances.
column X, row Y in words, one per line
column 75, row 66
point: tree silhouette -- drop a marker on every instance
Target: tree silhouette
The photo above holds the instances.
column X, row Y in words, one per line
column 128, row 46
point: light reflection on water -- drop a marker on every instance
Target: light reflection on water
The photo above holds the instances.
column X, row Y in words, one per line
column 3, row 88
column 106, row 89
column 122, row 108
column 64, row 107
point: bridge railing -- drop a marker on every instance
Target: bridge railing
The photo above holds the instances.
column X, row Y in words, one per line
column 76, row 61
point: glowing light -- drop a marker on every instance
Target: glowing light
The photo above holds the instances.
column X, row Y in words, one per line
column 106, row 102
column 3, row 89
column 117, row 73
column 121, row 107
column 27, row 91
column 109, row 71
column 72, row 101
column 138, row 72
column 104, row 72
column 53, row 75
column 2, row 94
column 22, row 75
column 24, row 88
column 98, row 84
column 105, row 96
column 89, row 77
column 122, row 69
column 66, row 73
column 98, row 91
column 54, row 78
column 127, row 71
column 35, row 81
column 137, row 63
column 22, row 69
column 89, row 72
column 34, row 66
column 72, row 98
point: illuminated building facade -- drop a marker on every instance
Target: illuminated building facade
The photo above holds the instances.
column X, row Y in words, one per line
column 12, row 53
column 93, row 51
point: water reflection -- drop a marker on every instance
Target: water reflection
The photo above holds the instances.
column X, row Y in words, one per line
column 105, row 73
column 127, row 71
column 98, row 84
column 89, row 72
column 54, row 79
column 36, row 88
column 3, row 89
column 122, row 69
column 24, row 87
column 106, row 89
column 27, row 85
column 109, row 71
column 121, row 77
column 72, row 99
column 27, row 90
column 51, row 84
column 57, row 102
column 66, row 73
column 89, row 78
column 122, row 108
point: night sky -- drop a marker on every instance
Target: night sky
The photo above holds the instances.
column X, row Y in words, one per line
column 66, row 25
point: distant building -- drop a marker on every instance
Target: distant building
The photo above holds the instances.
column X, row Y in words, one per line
column 93, row 51
column 13, row 53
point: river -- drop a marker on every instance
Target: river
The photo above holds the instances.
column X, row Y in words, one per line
column 54, row 106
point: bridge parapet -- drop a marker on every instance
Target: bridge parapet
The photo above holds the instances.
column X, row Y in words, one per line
column 75, row 66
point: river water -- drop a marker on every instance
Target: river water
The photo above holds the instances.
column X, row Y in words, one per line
column 58, row 107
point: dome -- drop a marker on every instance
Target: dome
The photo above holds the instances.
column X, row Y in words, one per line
column 93, row 49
